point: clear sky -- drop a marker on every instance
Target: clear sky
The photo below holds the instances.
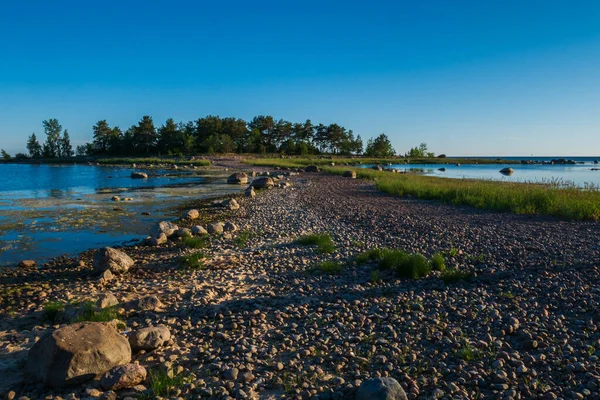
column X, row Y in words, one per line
column 482, row 77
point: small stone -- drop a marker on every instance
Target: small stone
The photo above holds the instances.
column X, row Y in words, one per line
column 106, row 300
column 199, row 230
column 149, row 338
column 231, row 374
column 27, row 264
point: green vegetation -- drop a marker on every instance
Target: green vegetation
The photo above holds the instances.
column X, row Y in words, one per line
column 322, row 241
column 451, row 275
column 552, row 199
column 438, row 263
column 201, row 242
column 329, row 267
column 519, row 198
column 242, row 238
column 469, row 353
column 51, row 310
column 5, row 155
column 89, row 312
column 193, row 261
column 402, row 263
column 406, row 265
column 164, row 383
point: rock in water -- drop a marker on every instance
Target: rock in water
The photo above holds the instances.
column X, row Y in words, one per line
column 149, row 338
column 123, row 377
column 27, row 264
column 507, row 171
column 168, row 228
column 263, row 182
column 380, row 389
column 112, row 259
column 139, row 175
column 191, row 214
column 240, row 178
column 350, row 174
column 77, row 353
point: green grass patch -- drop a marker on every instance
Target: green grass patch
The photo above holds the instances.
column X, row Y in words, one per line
column 192, row 242
column 329, row 267
column 51, row 310
column 323, row 242
column 242, row 238
column 556, row 199
column 451, row 275
column 164, row 383
column 468, row 352
column 438, row 263
column 89, row 312
column 193, row 261
column 370, row 255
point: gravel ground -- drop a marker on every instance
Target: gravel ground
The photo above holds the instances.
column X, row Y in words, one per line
column 259, row 322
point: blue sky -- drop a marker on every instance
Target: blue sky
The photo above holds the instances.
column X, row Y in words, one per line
column 466, row 77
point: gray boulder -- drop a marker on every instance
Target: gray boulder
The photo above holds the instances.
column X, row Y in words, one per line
column 156, row 241
column 139, row 175
column 168, row 228
column 312, row 168
column 150, row 303
column 183, row 232
column 149, row 338
column 263, row 182
column 240, row 178
column 112, row 259
column 77, row 353
column 380, row 389
column 250, row 192
column 507, row 171
column 350, row 174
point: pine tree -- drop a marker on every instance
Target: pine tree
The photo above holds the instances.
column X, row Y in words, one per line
column 5, row 155
column 34, row 147
column 66, row 150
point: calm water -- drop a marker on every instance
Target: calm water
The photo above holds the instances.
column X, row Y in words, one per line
column 578, row 174
column 51, row 210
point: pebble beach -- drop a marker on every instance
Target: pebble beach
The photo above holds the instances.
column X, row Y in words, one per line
column 259, row 320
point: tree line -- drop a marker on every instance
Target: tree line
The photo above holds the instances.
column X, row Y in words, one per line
column 212, row 134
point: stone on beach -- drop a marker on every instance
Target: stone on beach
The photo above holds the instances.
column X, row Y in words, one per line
column 106, row 300
column 380, row 389
column 199, row 230
column 215, row 228
column 168, row 228
column 262, row 182
column 112, row 259
column 191, row 214
column 350, row 174
column 149, row 338
column 77, row 353
column 312, row 168
column 123, row 377
column 230, row 204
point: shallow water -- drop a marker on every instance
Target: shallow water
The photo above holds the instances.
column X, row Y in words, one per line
column 51, row 210
column 580, row 175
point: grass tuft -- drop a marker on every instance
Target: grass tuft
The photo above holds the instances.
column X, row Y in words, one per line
column 438, row 263
column 329, row 267
column 322, row 241
column 164, row 383
column 193, row 261
column 370, row 255
column 195, row 242
column 89, row 312
column 51, row 310
column 242, row 238
column 453, row 275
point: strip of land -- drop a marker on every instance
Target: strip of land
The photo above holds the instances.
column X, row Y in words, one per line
column 263, row 316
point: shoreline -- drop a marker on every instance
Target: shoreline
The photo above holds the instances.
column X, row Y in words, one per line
column 261, row 309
